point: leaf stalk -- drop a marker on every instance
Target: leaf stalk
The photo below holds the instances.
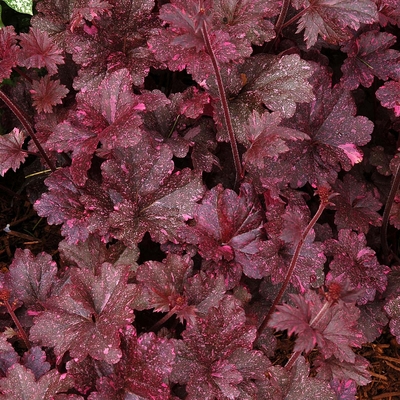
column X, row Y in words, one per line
column 324, row 202
column 224, row 102
column 27, row 126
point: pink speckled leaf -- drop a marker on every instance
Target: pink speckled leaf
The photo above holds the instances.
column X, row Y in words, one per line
column 356, row 208
column 47, row 93
column 8, row 51
column 335, row 134
column 215, row 356
column 11, row 153
column 163, row 284
column 369, row 56
column 333, row 19
column 182, row 44
column 350, row 373
column 20, row 383
column 85, row 318
column 115, row 40
column 393, row 310
column 112, row 119
column 156, row 200
column 389, row 96
column 267, row 139
column 8, row 356
column 81, row 210
column 247, row 16
column 229, row 226
column 146, row 365
column 31, row 278
column 353, row 258
column 38, row 50
column 302, row 386
column 277, row 82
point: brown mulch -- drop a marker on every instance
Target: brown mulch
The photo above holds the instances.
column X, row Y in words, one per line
column 28, row 231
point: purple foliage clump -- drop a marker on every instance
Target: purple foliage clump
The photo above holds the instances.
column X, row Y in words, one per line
column 253, row 145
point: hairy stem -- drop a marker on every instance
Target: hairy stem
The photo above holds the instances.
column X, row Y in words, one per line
column 293, row 262
column 21, row 330
column 281, row 18
column 295, row 18
column 164, row 319
column 224, row 102
column 27, row 126
column 386, row 213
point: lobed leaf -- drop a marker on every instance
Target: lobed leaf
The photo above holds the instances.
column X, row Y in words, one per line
column 369, row 56
column 332, row 20
column 20, row 383
column 8, row 51
column 38, row 51
column 11, row 153
column 31, row 278
column 85, row 318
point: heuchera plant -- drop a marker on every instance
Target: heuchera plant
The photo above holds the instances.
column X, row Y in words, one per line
column 220, row 170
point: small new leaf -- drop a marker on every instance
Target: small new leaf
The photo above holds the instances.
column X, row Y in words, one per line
column 38, row 51
column 11, row 153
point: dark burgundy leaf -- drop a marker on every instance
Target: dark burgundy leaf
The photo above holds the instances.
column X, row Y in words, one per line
column 229, row 227
column 332, row 20
column 311, row 260
column 31, row 278
column 372, row 321
column 85, row 373
column 356, row 208
column 8, row 51
column 113, row 120
column 8, row 356
column 81, row 210
column 302, row 386
column 164, row 285
column 277, row 82
column 85, row 318
column 93, row 252
column 369, row 56
column 335, row 134
column 388, row 94
column 334, row 331
column 38, row 50
column 156, row 201
column 205, row 290
column 389, row 12
column 215, row 357
column 20, row 383
column 146, row 365
column 182, row 45
column 112, row 41
column 92, row 11
column 296, row 384
column 332, row 368
column 11, row 153
column 267, row 139
column 248, row 16
column 344, row 389
column 393, row 310
column 353, row 258
column 35, row 360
